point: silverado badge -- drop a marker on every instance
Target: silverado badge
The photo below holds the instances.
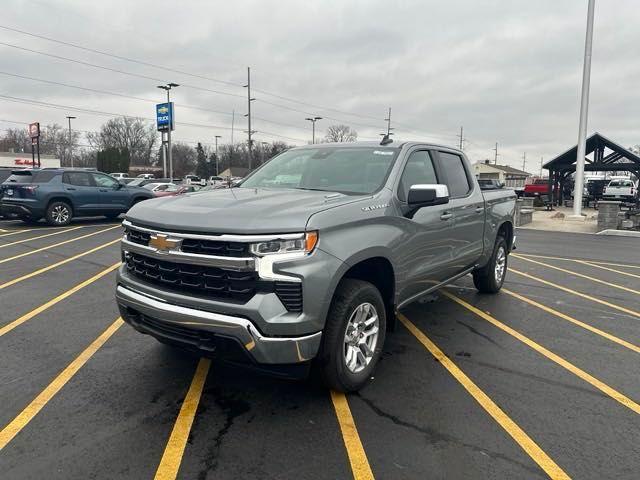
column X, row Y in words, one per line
column 163, row 244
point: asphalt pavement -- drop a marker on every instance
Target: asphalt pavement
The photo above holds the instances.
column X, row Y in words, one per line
column 538, row 381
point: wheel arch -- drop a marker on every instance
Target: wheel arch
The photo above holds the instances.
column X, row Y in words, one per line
column 505, row 230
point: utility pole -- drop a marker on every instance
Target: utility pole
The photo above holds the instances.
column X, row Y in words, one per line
column 541, row 161
column 524, row 161
column 495, row 158
column 584, row 110
column 163, row 150
column 248, row 115
column 70, row 140
column 217, row 137
column 313, row 121
column 168, row 88
column 461, row 138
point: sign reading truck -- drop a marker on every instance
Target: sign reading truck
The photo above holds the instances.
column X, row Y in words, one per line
column 164, row 116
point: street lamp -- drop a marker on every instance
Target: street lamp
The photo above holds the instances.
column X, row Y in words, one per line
column 167, row 88
column 313, row 128
column 217, row 137
column 70, row 140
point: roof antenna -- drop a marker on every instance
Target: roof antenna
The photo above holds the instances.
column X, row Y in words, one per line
column 386, row 140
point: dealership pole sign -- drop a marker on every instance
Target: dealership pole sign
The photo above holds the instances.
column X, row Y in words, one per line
column 164, row 117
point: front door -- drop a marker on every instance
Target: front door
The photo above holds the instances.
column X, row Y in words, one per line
column 424, row 257
column 114, row 197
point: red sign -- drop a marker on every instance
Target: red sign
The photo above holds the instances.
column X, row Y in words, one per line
column 34, row 130
column 22, row 161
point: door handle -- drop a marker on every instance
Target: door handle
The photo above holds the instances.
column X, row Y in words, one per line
column 446, row 216
column 70, row 188
column 479, row 209
column 104, row 190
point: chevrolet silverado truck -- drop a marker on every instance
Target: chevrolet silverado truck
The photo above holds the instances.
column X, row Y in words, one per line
column 310, row 256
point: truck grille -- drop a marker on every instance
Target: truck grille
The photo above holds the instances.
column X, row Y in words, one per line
column 193, row 245
column 201, row 280
column 211, row 282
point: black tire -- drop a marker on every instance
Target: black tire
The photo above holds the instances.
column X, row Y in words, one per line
column 349, row 296
column 489, row 279
column 59, row 214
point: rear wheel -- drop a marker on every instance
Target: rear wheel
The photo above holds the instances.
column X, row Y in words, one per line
column 489, row 279
column 59, row 213
column 353, row 337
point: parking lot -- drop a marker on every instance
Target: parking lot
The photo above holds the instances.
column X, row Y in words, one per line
column 538, row 381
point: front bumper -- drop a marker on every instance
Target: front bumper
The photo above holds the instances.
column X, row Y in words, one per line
column 209, row 332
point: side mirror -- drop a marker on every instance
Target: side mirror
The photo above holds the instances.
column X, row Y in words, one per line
column 428, row 194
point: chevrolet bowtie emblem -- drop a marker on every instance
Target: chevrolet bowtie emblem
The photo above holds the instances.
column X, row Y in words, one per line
column 162, row 244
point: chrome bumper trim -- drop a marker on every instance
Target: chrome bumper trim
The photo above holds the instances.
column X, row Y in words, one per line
column 230, row 263
column 267, row 350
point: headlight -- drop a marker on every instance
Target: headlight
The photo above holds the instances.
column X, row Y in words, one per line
column 304, row 244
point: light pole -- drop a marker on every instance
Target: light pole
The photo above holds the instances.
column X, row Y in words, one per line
column 168, row 88
column 217, row 137
column 584, row 109
column 313, row 127
column 70, row 140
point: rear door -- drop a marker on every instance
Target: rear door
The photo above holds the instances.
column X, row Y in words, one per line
column 425, row 256
column 467, row 209
column 113, row 196
column 84, row 193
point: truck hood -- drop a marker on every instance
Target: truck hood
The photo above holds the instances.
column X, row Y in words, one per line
column 237, row 210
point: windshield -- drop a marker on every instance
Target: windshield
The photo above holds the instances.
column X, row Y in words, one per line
column 349, row 170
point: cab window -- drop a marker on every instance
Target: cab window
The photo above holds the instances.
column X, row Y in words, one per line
column 457, row 180
column 419, row 170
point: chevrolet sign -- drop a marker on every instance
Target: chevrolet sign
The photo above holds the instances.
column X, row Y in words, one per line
column 162, row 243
column 164, row 116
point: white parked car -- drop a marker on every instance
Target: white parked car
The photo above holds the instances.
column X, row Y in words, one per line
column 146, row 175
column 620, row 189
column 119, row 175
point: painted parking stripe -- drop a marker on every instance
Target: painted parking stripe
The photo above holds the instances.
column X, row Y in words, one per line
column 57, row 264
column 355, row 451
column 38, row 237
column 525, row 442
column 45, row 306
column 14, row 427
column 173, row 452
column 576, row 293
column 577, row 322
column 578, row 260
column 577, row 274
column 38, row 250
column 603, row 387
column 620, row 272
column 25, row 230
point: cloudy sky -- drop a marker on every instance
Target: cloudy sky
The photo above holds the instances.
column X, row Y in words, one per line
column 509, row 71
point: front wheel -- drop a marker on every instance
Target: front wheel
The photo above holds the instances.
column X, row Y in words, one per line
column 489, row 279
column 353, row 337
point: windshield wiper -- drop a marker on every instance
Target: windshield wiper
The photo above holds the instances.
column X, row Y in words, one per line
column 313, row 189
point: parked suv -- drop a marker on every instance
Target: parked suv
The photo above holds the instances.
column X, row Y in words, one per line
column 58, row 195
column 312, row 255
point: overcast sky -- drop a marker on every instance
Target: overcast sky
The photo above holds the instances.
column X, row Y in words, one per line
column 509, row 71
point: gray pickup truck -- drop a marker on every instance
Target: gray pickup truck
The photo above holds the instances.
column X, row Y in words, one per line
column 310, row 256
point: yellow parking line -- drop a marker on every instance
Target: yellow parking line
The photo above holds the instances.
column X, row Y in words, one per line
column 39, row 237
column 18, row 423
column 173, row 452
column 520, row 436
column 25, row 230
column 581, row 275
column 37, row 250
column 55, row 265
column 603, row 387
column 28, row 316
column 15, row 232
column 591, row 264
column 568, row 318
column 547, row 257
column 355, row 451
column 578, row 294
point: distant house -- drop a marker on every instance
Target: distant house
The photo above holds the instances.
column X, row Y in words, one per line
column 509, row 176
column 234, row 172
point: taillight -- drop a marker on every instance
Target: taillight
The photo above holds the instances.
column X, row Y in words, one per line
column 30, row 188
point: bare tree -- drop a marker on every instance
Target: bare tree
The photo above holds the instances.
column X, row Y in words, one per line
column 15, row 140
column 340, row 133
column 184, row 159
column 136, row 135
